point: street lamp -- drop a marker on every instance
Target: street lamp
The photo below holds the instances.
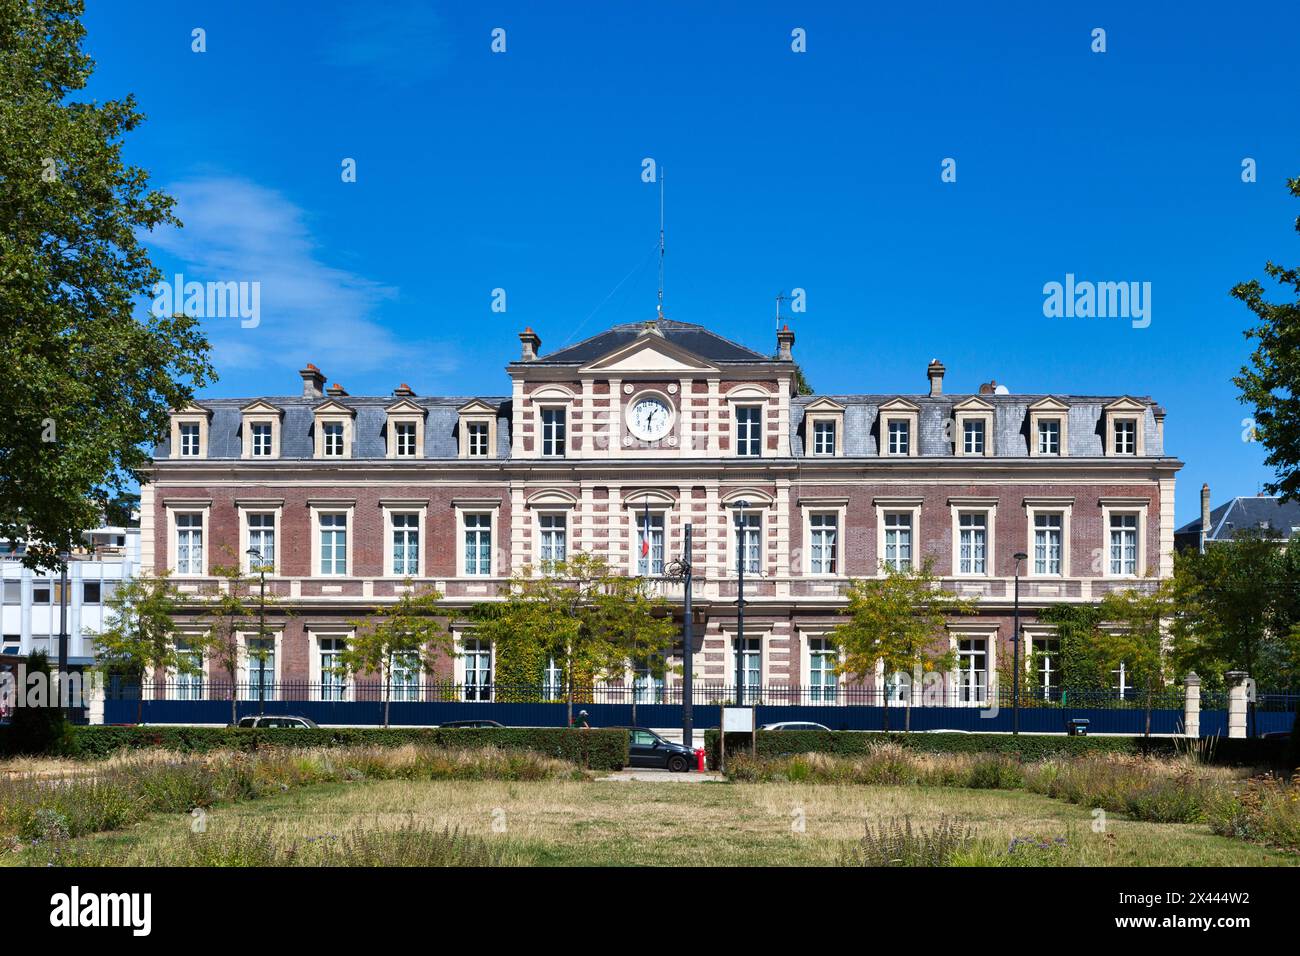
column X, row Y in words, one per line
column 63, row 697
column 741, row 507
column 1015, row 649
column 261, row 628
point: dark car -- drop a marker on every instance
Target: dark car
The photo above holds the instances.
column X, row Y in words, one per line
column 645, row 748
column 471, row 724
column 268, row 720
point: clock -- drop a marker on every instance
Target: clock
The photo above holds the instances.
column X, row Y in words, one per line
column 649, row 418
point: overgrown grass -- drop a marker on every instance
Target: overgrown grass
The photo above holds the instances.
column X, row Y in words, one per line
column 1264, row 810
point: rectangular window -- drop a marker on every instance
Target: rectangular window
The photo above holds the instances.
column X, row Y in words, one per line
column 261, row 668
column 749, row 431
column 478, row 670
column 261, row 440
column 1122, row 683
column 333, row 686
column 13, row 592
column 972, row 670
column 90, row 592
column 1046, row 657
column 552, row 529
column 334, row 544
column 749, row 543
column 900, row 436
column 1123, row 544
column 189, row 676
column 333, row 434
column 404, row 676
column 823, row 438
column 478, row 439
column 1125, row 436
column 1047, row 543
column 972, row 434
column 647, row 687
column 973, row 542
column 406, row 544
column 751, row 666
column 1049, row 436
column 261, row 538
column 42, row 589
column 404, row 433
column 823, row 529
column 189, row 543
column 553, row 432
column 478, row 544
column 650, row 560
column 822, row 679
column 189, row 440
column 552, row 680
column 898, row 540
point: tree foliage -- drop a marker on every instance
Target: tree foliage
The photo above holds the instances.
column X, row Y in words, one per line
column 1134, row 636
column 1271, row 382
column 86, row 384
column 139, row 634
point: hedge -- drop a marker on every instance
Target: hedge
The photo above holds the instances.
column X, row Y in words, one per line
column 849, row 743
column 604, row 749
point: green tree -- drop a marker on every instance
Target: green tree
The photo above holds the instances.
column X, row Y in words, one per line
column 1137, row 638
column 1271, row 382
column 39, row 724
column 1081, row 665
column 139, row 636
column 86, row 385
column 640, row 629
column 900, row 620
column 408, row 635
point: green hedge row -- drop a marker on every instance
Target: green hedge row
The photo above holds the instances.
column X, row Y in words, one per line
column 597, row 749
column 848, row 743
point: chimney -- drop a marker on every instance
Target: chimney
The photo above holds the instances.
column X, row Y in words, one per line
column 336, row 391
column 313, row 381
column 404, row 391
column 989, row 388
column 530, row 342
column 1205, row 514
column 935, row 370
column 784, row 344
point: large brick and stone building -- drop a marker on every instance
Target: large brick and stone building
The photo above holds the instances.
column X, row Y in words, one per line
column 346, row 496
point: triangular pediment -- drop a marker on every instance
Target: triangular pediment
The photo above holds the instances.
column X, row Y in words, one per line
column 823, row 405
column 1049, row 403
column 1126, row 404
column 477, row 406
column 405, row 407
column 899, row 405
column 650, row 352
column 193, row 408
column 972, row 404
column 332, row 407
column 260, row 406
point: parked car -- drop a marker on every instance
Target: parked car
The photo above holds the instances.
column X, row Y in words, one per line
column 647, row 749
column 278, row 720
column 794, row 725
column 472, row 724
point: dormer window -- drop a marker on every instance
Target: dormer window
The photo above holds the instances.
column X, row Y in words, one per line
column 1049, row 436
column 478, row 439
column 1126, row 436
column 334, row 430
column 260, row 430
column 405, row 429
column 261, row 435
column 824, row 438
column 477, row 430
column 898, row 428
column 973, row 427
column 972, row 437
column 189, row 432
column 404, row 433
column 824, row 428
column 332, row 433
column 900, row 433
column 1124, row 420
column 1049, row 428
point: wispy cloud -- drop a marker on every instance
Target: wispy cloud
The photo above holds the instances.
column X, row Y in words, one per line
column 236, row 230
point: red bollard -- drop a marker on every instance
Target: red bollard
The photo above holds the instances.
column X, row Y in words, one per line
column 699, row 759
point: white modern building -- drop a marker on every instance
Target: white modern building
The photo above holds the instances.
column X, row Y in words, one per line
column 30, row 602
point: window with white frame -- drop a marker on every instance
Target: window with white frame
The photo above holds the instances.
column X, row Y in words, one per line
column 552, row 680
column 333, row 684
column 1049, row 436
column 333, row 530
column 478, row 670
column 749, row 542
column 404, row 434
column 261, row 538
column 647, row 685
column 262, row 434
column 824, row 437
column 1125, row 436
column 898, row 688
column 189, row 542
column 478, row 439
column 552, row 543
column 898, row 540
column 749, row 431
column 751, row 665
column 332, row 439
column 650, row 545
column 823, row 534
column 404, row 676
column 406, row 543
column 823, row 682
column 189, row 432
column 1047, row 542
column 261, row 668
column 189, row 674
column 553, row 442
column 973, row 535
column 900, row 436
column 478, row 544
column 1045, row 658
column 972, row 436
column 1123, row 544
column 1122, row 683
column 972, row 670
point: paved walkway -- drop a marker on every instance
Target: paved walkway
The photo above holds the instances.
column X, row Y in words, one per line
column 649, row 775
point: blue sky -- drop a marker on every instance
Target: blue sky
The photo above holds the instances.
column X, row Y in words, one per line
column 819, row 170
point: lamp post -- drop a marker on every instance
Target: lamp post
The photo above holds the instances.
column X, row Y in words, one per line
column 688, row 658
column 63, row 697
column 1015, row 649
column 741, row 507
column 261, row 629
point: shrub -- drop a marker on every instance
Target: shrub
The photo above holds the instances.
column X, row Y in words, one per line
column 896, row 843
column 1265, row 810
column 38, row 730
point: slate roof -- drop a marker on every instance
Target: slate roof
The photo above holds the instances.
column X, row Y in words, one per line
column 1249, row 513
column 695, row 338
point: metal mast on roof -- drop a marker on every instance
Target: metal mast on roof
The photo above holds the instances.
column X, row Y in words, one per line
column 661, row 245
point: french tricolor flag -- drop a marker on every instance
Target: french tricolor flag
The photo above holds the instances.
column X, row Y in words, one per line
column 645, row 535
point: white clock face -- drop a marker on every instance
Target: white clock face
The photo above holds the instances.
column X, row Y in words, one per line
column 649, row 419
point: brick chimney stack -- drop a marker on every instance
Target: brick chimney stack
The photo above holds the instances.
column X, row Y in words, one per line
column 404, row 391
column 313, row 382
column 935, row 370
column 336, row 391
column 785, row 345
column 1205, row 514
column 530, row 342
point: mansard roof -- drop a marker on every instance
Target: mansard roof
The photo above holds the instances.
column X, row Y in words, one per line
column 693, row 338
